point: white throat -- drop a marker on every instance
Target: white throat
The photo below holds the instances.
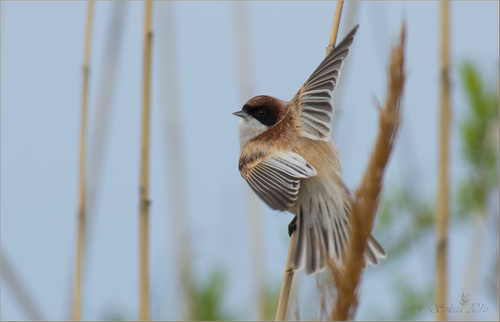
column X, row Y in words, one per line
column 249, row 128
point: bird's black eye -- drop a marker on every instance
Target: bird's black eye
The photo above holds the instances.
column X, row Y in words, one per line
column 264, row 114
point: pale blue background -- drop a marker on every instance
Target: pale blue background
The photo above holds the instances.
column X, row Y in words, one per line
column 41, row 59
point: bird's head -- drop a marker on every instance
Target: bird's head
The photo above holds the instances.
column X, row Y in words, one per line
column 258, row 115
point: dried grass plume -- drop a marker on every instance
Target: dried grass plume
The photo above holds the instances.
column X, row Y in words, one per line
column 366, row 199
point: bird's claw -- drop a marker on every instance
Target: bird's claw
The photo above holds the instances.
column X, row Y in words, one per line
column 292, row 226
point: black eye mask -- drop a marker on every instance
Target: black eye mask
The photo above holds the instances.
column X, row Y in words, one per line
column 262, row 113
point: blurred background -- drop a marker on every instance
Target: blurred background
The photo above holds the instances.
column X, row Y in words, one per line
column 208, row 59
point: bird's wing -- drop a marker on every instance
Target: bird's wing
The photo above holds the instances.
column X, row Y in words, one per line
column 313, row 102
column 276, row 179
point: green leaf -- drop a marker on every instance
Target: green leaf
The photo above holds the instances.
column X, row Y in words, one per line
column 479, row 133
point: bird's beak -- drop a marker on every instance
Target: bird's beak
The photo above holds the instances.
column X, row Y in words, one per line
column 242, row 114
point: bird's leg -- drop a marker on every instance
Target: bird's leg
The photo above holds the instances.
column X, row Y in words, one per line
column 292, row 226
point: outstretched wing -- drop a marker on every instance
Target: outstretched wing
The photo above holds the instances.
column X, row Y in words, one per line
column 313, row 102
column 276, row 179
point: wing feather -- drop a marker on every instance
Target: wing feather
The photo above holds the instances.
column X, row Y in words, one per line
column 276, row 191
column 276, row 179
column 314, row 102
column 262, row 192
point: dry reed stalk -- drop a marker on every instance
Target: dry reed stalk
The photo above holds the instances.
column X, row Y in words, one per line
column 254, row 213
column 335, row 27
column 77, row 296
column 366, row 199
column 286, row 285
column 442, row 207
column 144, row 180
column 98, row 134
column 18, row 288
column 101, row 121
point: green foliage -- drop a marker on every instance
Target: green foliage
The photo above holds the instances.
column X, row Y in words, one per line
column 410, row 299
column 404, row 218
column 207, row 299
column 420, row 215
column 479, row 134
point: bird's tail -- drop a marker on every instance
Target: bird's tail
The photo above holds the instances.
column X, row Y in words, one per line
column 317, row 239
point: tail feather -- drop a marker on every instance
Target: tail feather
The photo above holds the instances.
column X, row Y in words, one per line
column 314, row 243
column 373, row 252
column 322, row 227
column 311, row 253
column 376, row 248
column 370, row 258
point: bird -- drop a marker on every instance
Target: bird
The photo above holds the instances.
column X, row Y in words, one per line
column 289, row 160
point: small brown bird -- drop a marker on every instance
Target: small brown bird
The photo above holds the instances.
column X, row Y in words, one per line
column 289, row 160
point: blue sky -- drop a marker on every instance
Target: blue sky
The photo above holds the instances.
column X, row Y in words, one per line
column 41, row 60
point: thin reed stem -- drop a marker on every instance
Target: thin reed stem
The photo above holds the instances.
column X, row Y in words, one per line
column 20, row 291
column 365, row 201
column 335, row 27
column 144, row 180
column 99, row 133
column 77, row 296
column 442, row 207
column 288, row 275
column 286, row 285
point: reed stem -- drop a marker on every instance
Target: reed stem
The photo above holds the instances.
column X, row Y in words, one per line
column 442, row 208
column 20, row 291
column 335, row 27
column 288, row 275
column 144, row 180
column 286, row 285
column 80, row 242
column 99, row 133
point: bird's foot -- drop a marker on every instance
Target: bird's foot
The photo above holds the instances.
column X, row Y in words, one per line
column 292, row 226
